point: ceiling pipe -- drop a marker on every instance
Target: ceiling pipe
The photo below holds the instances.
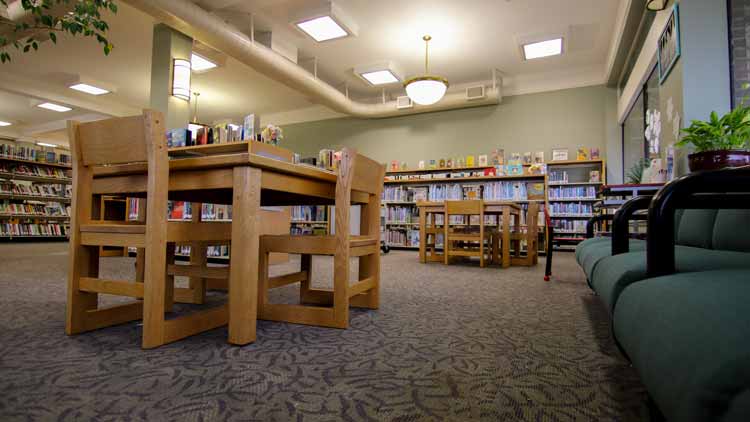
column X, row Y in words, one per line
column 194, row 21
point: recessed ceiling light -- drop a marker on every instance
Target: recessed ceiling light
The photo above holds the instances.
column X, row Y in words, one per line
column 323, row 28
column 44, row 144
column 54, row 107
column 380, row 77
column 2, row 123
column 543, row 49
column 89, row 89
column 201, row 64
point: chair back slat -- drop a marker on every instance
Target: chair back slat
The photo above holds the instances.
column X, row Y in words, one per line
column 368, row 174
column 114, row 141
column 468, row 207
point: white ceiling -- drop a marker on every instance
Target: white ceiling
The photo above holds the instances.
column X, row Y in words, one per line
column 469, row 39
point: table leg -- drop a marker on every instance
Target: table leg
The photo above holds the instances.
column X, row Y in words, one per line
column 422, row 237
column 506, row 237
column 243, row 272
column 517, row 230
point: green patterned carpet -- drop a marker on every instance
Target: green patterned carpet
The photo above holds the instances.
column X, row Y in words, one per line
column 454, row 343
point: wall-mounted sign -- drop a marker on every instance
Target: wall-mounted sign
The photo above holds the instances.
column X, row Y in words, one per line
column 669, row 45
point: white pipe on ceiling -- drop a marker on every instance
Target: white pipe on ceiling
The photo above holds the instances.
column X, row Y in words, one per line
column 194, row 21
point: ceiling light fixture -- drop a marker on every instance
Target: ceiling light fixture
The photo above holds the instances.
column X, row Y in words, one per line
column 54, row 107
column 89, row 89
column 380, row 77
column 44, row 144
column 426, row 89
column 2, row 123
column 324, row 21
column 656, row 5
column 201, row 64
column 181, row 79
column 541, row 49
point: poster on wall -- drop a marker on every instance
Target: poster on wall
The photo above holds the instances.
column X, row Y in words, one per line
column 669, row 45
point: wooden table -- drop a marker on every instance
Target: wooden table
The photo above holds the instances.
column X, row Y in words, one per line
column 247, row 182
column 503, row 209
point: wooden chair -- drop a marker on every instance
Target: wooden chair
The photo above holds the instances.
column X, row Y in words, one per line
column 357, row 174
column 474, row 238
column 531, row 236
column 120, row 141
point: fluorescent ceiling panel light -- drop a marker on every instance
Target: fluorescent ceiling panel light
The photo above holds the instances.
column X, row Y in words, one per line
column 2, row 123
column 323, row 28
column 89, row 89
column 543, row 49
column 54, row 107
column 201, row 64
column 44, row 144
column 380, row 77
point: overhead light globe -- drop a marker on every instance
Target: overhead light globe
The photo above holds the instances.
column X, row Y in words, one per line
column 426, row 89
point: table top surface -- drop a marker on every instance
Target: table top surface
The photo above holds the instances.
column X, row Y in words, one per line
column 222, row 161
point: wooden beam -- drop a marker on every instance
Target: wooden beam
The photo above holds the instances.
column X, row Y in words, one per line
column 283, row 280
column 362, row 286
column 111, row 287
column 199, row 271
column 188, row 325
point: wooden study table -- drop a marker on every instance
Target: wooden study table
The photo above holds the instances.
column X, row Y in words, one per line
column 504, row 209
column 247, row 182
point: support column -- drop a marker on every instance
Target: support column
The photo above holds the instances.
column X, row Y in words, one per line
column 168, row 44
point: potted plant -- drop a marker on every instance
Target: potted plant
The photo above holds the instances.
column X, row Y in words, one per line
column 721, row 141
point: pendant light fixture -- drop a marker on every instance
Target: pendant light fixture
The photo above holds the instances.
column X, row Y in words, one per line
column 656, row 5
column 426, row 89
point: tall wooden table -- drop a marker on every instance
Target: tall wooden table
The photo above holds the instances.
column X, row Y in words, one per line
column 246, row 181
column 505, row 210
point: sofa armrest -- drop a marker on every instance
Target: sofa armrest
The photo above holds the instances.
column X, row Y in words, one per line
column 593, row 221
column 719, row 189
column 621, row 222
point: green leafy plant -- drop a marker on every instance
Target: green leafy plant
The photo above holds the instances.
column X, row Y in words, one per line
column 728, row 132
column 635, row 174
column 84, row 18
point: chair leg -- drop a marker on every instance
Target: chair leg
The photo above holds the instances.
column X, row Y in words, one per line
column 341, row 289
column 369, row 266
column 84, row 262
column 304, row 286
column 263, row 268
column 154, row 296
column 169, row 279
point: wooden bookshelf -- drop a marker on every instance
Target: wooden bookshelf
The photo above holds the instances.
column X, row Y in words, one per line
column 60, row 199
column 444, row 169
column 570, row 226
column 34, row 178
column 467, row 179
column 41, row 163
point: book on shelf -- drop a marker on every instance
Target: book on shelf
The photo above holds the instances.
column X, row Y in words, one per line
column 31, row 229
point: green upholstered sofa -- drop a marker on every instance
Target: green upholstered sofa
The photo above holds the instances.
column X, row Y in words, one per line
column 680, row 300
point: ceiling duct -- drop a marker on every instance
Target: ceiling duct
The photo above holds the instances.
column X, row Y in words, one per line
column 194, row 21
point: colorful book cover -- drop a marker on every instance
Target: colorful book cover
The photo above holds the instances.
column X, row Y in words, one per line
column 515, row 158
column 470, row 161
column 433, row 164
column 449, row 163
column 421, row 165
column 526, row 158
column 560, row 154
column 595, row 153
column 535, row 190
column 483, row 160
column 583, row 154
column 514, row 169
column 539, row 157
column 442, row 163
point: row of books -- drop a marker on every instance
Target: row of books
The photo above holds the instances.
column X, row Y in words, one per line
column 512, row 191
column 196, row 134
column 573, row 192
column 180, row 210
column 32, row 153
column 310, row 213
column 26, row 229
column 51, row 209
column 570, row 226
column 36, row 189
column 405, row 215
column 307, row 230
column 403, row 194
column 401, row 237
column 571, row 208
column 216, row 212
column 32, row 170
column 562, row 177
column 217, row 251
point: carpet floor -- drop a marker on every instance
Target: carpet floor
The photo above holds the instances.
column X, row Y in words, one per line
column 455, row 343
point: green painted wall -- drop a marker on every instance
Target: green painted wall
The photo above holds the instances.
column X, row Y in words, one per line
column 525, row 123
